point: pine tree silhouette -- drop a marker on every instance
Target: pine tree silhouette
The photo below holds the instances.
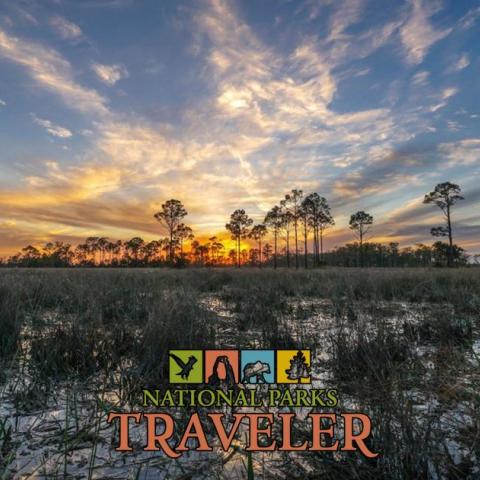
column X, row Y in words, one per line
column 298, row 368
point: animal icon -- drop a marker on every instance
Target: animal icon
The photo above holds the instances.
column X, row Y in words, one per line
column 255, row 369
column 186, row 367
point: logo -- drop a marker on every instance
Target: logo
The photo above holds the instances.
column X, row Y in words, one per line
column 219, row 372
column 229, row 367
column 293, row 366
column 258, row 366
column 186, row 366
column 221, row 366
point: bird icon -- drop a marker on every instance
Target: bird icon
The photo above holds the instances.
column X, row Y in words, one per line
column 186, row 367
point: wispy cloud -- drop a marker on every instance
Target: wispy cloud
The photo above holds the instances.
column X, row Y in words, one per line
column 266, row 117
column 469, row 19
column 442, row 99
column 51, row 128
column 22, row 13
column 51, row 72
column 110, row 74
column 347, row 13
column 462, row 62
column 418, row 34
column 421, row 78
column 465, row 151
column 65, row 29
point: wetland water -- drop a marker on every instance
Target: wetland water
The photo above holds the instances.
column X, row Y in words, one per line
column 414, row 367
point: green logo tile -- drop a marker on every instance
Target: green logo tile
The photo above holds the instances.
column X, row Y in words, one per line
column 186, row 366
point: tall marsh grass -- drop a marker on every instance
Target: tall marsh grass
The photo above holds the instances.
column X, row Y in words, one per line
column 112, row 326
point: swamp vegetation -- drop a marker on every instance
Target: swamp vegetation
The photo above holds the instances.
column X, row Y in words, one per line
column 400, row 345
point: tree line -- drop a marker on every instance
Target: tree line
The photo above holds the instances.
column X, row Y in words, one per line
column 295, row 229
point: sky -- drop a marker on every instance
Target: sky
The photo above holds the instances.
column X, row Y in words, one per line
column 110, row 107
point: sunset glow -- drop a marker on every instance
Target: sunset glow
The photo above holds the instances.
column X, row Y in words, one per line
column 110, row 107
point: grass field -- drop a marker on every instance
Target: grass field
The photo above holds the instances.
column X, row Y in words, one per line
column 402, row 345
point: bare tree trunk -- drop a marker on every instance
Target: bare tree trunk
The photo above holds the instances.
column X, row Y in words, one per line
column 305, row 237
column 296, row 241
column 275, row 248
column 321, row 244
column 450, row 238
column 260, row 253
column 288, row 248
column 361, row 246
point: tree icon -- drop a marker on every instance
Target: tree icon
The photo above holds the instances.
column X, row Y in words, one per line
column 299, row 367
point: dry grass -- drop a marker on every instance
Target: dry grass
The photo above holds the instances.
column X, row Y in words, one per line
column 64, row 328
